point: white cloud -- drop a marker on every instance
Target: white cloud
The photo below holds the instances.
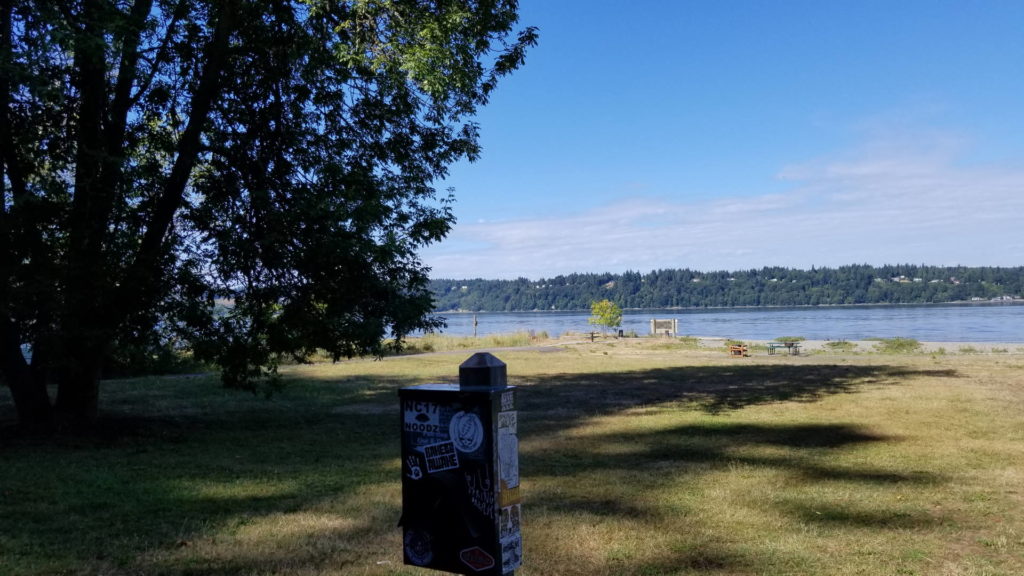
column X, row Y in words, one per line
column 893, row 201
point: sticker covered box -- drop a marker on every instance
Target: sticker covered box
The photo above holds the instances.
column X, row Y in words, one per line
column 460, row 479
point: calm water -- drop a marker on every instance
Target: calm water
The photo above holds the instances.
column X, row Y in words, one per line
column 930, row 323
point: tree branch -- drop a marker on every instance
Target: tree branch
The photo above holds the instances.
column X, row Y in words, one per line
column 8, row 154
column 9, row 163
column 180, row 11
column 134, row 292
column 90, row 82
column 126, row 74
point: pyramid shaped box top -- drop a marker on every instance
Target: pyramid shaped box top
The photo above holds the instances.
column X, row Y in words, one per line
column 482, row 371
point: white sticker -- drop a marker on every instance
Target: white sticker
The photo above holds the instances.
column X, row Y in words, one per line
column 425, row 420
column 414, row 468
column 508, row 458
column 508, row 421
column 508, row 400
column 511, row 553
column 509, row 521
column 466, row 431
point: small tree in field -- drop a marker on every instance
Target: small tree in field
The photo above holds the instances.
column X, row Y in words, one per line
column 605, row 313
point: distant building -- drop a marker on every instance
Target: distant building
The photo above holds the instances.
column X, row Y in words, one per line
column 667, row 327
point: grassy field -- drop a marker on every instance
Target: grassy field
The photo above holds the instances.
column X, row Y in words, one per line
column 639, row 457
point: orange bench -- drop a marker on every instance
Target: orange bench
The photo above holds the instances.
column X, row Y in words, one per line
column 738, row 350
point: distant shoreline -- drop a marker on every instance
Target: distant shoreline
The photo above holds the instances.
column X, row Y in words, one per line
column 1015, row 302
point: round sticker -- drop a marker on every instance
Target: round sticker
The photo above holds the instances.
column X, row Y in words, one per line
column 418, row 548
column 466, row 431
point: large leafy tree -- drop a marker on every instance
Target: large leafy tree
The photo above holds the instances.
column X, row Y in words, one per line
column 246, row 178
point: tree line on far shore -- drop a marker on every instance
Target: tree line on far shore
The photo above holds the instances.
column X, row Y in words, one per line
column 769, row 286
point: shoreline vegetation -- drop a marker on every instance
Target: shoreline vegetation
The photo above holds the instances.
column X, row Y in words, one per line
column 641, row 456
column 765, row 287
column 1012, row 301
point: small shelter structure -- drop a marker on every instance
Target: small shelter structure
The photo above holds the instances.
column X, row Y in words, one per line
column 666, row 327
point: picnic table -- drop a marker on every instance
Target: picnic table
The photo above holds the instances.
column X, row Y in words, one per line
column 737, row 350
column 792, row 347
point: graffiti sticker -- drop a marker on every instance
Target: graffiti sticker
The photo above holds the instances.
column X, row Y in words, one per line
column 508, row 421
column 508, row 449
column 511, row 538
column 426, row 420
column 476, row 558
column 508, row 400
column 508, row 522
column 466, row 431
column 511, row 553
column 414, row 468
column 480, row 489
column 418, row 548
column 440, row 457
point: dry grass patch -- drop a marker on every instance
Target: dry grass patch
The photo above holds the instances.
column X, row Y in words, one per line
column 637, row 459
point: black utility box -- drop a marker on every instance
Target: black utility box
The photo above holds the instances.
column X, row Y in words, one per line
column 460, row 472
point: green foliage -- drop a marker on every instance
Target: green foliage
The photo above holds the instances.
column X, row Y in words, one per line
column 773, row 286
column 790, row 339
column 146, row 359
column 159, row 158
column 898, row 345
column 840, row 346
column 605, row 313
column 689, row 341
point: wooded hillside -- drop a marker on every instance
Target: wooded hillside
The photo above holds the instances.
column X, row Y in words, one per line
column 857, row 284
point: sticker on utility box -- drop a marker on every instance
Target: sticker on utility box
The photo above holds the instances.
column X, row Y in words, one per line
column 466, row 431
column 477, row 558
column 427, row 421
column 510, row 538
column 440, row 457
column 508, row 449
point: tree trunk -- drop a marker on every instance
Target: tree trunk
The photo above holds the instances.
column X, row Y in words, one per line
column 77, row 403
column 31, row 399
column 78, row 379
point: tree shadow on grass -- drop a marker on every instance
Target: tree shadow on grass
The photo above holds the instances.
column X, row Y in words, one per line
column 713, row 389
column 626, row 474
column 649, row 468
column 175, row 463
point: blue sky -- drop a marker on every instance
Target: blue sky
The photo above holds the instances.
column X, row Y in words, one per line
column 729, row 134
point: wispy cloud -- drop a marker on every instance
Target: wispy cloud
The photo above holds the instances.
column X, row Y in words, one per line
column 894, row 200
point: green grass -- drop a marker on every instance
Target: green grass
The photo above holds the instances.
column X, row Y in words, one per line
column 636, row 460
column 840, row 346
